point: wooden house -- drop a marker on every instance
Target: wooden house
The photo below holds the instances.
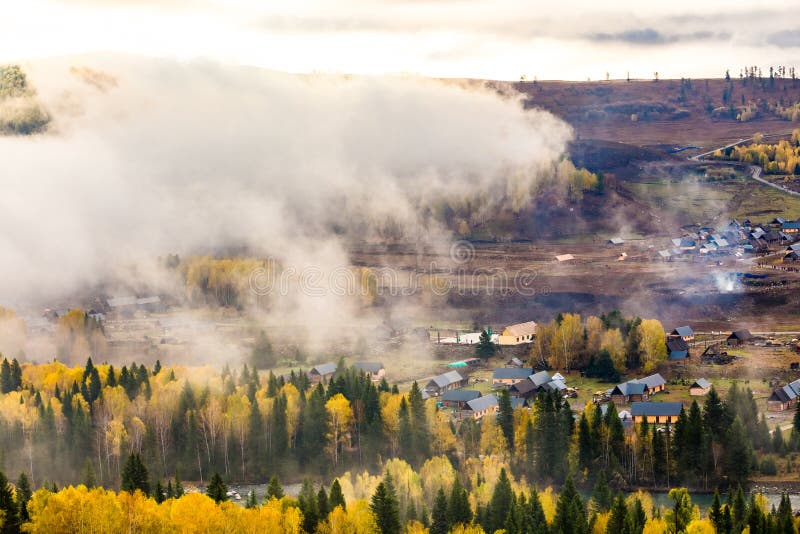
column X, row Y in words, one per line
column 525, row 389
column 322, row 373
column 628, row 392
column 375, row 370
column 480, row 407
column 677, row 349
column 540, row 379
column 784, row 397
column 683, row 332
column 508, row 376
column 656, row 412
column 458, row 398
column 517, row 334
column 700, row 387
column 738, row 337
column 444, row 382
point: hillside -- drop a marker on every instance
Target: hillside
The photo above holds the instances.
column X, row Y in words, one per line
column 669, row 112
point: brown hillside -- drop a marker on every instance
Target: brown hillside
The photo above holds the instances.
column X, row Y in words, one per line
column 665, row 113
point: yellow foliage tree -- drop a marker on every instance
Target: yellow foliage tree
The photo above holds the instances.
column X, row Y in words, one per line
column 340, row 418
column 653, row 343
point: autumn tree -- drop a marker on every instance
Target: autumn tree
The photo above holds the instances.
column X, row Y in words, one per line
column 567, row 340
column 340, row 418
column 653, row 343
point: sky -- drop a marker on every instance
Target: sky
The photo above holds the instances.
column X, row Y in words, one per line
column 498, row 39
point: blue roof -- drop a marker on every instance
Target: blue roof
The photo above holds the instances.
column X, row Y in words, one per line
column 460, row 395
column 324, row 369
column 678, row 355
column 482, row 403
column 684, row 331
column 656, row 408
column 791, row 225
column 629, row 388
column 446, row 379
column 505, row 373
column 701, row 383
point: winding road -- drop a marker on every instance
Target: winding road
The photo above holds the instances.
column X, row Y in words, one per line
column 755, row 170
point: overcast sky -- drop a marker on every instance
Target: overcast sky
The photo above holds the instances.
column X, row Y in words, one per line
column 503, row 39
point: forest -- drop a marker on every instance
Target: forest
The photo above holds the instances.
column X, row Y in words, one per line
column 782, row 157
column 104, row 427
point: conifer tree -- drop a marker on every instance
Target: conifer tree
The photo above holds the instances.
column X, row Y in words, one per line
column 570, row 511
column 158, row 492
column 307, row 501
column 602, row 498
column 505, row 417
column 252, row 500
column 8, row 508
column 336, row 497
column 500, row 503
column 323, row 504
column 385, row 507
column 274, row 489
column 439, row 522
column 135, row 476
column 217, row 489
column 459, row 511
column 24, row 493
column 619, row 516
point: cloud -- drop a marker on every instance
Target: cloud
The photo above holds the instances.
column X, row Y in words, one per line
column 785, row 39
column 650, row 36
column 188, row 157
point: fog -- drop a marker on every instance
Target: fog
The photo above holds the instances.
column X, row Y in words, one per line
column 147, row 157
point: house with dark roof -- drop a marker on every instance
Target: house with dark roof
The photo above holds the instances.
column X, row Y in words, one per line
column 515, row 362
column 700, row 388
column 656, row 412
column 478, row 408
column 627, row 392
column 524, row 389
column 677, row 349
column 540, row 379
column 683, row 332
column 784, row 397
column 739, row 337
column 375, row 370
column 508, row 376
column 639, row 389
column 322, row 373
column 458, row 398
column 443, row 382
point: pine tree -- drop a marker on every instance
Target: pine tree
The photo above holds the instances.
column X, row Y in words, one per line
column 323, row 504
column 500, row 504
column 170, row 493
column 274, row 489
column 8, row 508
column 307, row 501
column 601, row 495
column 385, row 507
column 570, row 511
column 135, row 476
column 16, row 375
column 439, row 522
column 252, row 500
column 715, row 512
column 585, row 444
column 336, row 497
column 158, row 492
column 619, row 516
column 485, row 349
column 738, row 453
column 89, row 476
column 505, row 417
column 178, row 486
column 217, row 489
column 5, row 377
column 24, row 494
column 459, row 511
column 636, row 518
